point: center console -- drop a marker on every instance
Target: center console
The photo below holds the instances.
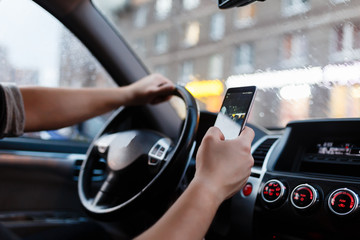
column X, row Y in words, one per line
column 310, row 183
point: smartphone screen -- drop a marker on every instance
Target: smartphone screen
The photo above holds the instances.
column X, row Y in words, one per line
column 235, row 110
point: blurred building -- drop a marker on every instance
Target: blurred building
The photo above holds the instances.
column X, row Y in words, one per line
column 192, row 40
column 180, row 38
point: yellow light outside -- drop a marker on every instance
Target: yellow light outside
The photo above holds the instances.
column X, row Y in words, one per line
column 206, row 88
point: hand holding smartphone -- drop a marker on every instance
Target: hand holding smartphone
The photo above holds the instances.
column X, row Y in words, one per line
column 235, row 110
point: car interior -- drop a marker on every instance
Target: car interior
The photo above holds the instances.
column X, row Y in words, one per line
column 302, row 55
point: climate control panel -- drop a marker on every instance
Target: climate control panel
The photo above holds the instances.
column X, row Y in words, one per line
column 328, row 207
column 305, row 196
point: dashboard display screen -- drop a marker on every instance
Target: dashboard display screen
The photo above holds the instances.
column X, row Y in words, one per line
column 336, row 157
column 322, row 147
column 338, row 148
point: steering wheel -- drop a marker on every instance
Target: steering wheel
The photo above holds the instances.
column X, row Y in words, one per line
column 143, row 165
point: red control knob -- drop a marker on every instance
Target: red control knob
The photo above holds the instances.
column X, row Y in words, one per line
column 273, row 191
column 343, row 201
column 304, row 196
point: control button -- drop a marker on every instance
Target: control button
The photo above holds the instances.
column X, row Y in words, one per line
column 153, row 161
column 158, row 151
column 304, row 196
column 273, row 191
column 343, row 201
column 155, row 149
column 247, row 189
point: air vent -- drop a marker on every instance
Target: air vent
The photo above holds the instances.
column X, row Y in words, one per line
column 260, row 152
column 98, row 171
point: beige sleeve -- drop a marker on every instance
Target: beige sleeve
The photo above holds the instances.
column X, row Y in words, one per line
column 15, row 113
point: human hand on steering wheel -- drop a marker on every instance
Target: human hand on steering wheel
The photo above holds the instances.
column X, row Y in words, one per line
column 153, row 89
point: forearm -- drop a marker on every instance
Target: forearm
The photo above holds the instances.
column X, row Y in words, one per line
column 51, row 108
column 189, row 217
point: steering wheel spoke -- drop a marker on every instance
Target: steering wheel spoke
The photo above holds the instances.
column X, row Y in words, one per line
column 103, row 196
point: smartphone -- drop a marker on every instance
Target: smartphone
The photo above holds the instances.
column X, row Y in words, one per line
column 235, row 110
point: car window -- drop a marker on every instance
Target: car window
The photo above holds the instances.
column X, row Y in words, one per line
column 37, row 50
column 303, row 55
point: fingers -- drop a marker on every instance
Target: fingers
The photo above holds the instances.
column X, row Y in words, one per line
column 160, row 99
column 247, row 135
column 215, row 132
column 163, row 93
column 161, row 81
column 166, row 88
column 162, row 88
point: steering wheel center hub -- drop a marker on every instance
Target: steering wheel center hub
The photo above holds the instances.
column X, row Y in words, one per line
column 122, row 152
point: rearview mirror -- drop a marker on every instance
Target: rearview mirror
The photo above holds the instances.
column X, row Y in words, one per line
column 223, row 4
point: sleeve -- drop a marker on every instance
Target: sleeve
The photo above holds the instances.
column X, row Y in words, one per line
column 12, row 113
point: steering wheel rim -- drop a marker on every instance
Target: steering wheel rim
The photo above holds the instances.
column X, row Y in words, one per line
column 171, row 170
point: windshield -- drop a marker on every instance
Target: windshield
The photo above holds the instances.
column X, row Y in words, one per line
column 303, row 55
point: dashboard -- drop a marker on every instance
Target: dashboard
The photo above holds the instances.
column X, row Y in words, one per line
column 305, row 184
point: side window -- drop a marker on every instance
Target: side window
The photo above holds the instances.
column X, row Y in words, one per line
column 37, row 50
